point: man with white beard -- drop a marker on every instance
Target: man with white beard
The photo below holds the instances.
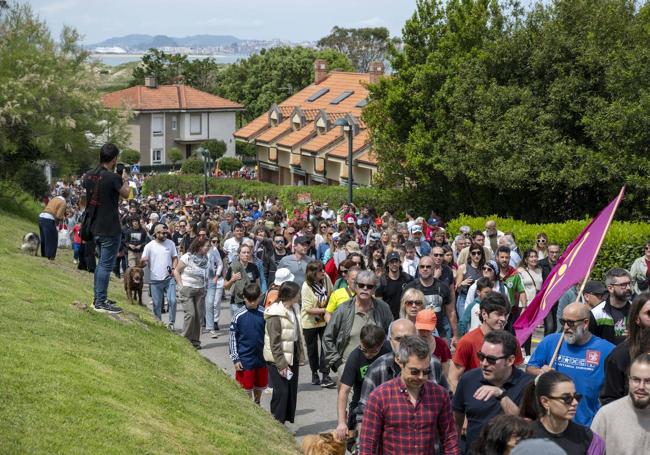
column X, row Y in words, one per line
column 581, row 357
column 624, row 424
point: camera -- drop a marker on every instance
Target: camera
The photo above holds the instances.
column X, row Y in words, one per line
column 121, row 167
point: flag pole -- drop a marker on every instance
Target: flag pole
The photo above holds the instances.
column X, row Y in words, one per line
column 591, row 266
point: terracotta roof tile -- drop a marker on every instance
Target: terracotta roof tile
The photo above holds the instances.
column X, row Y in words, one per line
column 166, row 97
column 253, row 128
column 275, row 132
column 298, row 136
column 286, row 110
column 359, row 141
column 367, row 157
column 322, row 141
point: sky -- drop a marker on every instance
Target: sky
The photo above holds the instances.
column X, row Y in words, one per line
column 291, row 20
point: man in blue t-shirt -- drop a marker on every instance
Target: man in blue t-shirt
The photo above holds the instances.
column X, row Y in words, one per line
column 581, row 357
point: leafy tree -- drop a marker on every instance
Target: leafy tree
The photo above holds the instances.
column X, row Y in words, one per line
column 175, row 155
column 166, row 68
column 245, row 150
column 361, row 45
column 192, row 166
column 230, row 164
column 216, row 148
column 48, row 92
column 272, row 75
column 540, row 114
column 130, row 156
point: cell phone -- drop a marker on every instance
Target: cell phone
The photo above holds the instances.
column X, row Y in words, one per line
column 121, row 167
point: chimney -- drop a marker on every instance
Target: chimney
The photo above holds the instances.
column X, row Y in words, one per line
column 376, row 70
column 150, row 82
column 320, row 71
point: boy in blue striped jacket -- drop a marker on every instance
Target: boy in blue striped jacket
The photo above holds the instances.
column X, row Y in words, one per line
column 247, row 344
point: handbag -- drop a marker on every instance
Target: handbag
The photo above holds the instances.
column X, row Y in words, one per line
column 87, row 217
column 64, row 237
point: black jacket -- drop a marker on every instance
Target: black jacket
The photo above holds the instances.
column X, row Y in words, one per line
column 616, row 367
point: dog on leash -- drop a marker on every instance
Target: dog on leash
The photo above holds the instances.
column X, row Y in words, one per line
column 31, row 244
column 133, row 282
column 322, row 444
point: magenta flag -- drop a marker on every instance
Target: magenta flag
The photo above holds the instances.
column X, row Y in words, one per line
column 574, row 265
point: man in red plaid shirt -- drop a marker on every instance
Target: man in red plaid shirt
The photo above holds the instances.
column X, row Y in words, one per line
column 409, row 414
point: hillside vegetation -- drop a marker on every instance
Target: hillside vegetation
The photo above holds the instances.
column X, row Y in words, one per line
column 76, row 381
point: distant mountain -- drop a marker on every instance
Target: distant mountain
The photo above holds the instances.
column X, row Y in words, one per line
column 144, row 42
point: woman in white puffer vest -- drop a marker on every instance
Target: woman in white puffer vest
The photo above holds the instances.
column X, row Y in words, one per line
column 284, row 350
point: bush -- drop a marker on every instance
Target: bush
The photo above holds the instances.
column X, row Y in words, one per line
column 32, row 179
column 14, row 200
column 230, row 164
column 130, row 156
column 623, row 242
column 192, row 166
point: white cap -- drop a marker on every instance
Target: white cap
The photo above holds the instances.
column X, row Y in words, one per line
column 282, row 275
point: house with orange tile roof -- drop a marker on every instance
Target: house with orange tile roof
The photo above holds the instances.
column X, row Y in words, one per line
column 167, row 116
column 298, row 141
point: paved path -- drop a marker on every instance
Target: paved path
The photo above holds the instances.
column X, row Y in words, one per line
column 316, row 410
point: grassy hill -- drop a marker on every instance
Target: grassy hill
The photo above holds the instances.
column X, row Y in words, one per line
column 76, row 381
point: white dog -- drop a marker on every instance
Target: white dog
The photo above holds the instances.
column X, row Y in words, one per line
column 31, row 243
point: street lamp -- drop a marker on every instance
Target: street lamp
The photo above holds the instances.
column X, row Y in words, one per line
column 205, row 155
column 347, row 127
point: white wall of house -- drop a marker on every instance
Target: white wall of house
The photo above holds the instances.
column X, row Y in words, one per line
column 222, row 125
column 134, row 136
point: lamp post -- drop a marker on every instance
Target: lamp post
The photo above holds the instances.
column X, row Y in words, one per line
column 205, row 156
column 347, row 127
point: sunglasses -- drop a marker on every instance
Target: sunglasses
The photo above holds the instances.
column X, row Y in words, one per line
column 215, row 241
column 418, row 372
column 492, row 360
column 541, row 241
column 570, row 322
column 476, row 253
column 280, row 242
column 368, row 286
column 426, row 266
column 488, row 269
column 343, row 271
column 414, row 303
column 568, row 398
column 437, row 255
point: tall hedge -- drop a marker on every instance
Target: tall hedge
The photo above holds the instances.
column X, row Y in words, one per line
column 623, row 243
column 382, row 200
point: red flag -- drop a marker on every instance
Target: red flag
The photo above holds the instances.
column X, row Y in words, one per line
column 574, row 265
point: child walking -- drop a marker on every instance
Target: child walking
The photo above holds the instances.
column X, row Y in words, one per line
column 247, row 344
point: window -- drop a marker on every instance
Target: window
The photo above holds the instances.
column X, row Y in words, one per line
column 195, row 123
column 318, row 94
column 156, row 156
column 174, row 123
column 157, row 125
column 342, row 96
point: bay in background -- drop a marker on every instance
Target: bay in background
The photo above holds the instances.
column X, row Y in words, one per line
column 118, row 59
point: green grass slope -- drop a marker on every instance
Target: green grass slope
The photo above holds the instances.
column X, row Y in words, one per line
column 76, row 381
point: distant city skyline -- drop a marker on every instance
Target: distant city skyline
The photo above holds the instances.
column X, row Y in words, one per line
column 289, row 20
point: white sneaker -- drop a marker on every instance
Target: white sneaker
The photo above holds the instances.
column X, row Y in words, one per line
column 214, row 334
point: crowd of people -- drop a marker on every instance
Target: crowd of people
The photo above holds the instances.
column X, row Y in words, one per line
column 409, row 323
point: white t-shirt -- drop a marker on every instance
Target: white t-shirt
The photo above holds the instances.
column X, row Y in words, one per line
column 231, row 246
column 160, row 256
column 195, row 272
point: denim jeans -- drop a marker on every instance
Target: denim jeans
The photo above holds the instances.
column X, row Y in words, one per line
column 160, row 288
column 171, row 299
column 106, row 247
column 213, row 303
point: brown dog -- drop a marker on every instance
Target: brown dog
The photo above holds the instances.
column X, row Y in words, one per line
column 322, row 444
column 133, row 284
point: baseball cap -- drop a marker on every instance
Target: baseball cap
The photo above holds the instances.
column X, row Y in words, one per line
column 159, row 228
column 595, row 287
column 349, row 219
column 352, row 247
column 336, row 236
column 416, row 228
column 282, row 275
column 248, row 218
column 426, row 320
column 392, row 256
column 375, row 236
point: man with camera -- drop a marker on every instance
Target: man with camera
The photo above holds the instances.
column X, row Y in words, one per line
column 103, row 190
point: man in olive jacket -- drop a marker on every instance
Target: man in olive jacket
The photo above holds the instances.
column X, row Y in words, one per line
column 342, row 334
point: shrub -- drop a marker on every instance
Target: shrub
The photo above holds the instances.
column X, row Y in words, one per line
column 175, row 155
column 14, row 200
column 215, row 147
column 623, row 242
column 32, row 179
column 230, row 164
column 130, row 156
column 192, row 166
